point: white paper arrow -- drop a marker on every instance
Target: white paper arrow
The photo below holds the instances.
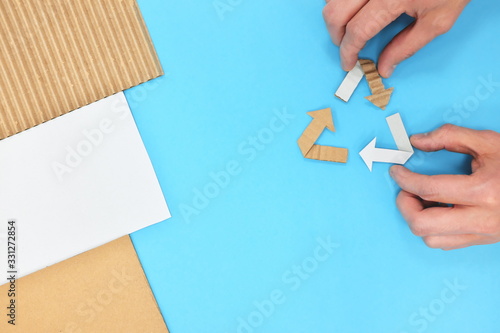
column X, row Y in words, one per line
column 351, row 81
column 370, row 154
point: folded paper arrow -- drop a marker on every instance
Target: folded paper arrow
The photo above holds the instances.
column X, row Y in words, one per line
column 370, row 154
column 380, row 95
column 351, row 81
column 321, row 119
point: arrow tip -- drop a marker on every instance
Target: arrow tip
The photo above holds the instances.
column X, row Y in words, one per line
column 367, row 154
column 325, row 116
column 381, row 99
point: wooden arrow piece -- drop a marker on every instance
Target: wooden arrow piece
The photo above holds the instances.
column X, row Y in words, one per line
column 321, row 119
column 380, row 96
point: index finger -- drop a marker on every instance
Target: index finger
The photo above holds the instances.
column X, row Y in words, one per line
column 451, row 189
column 458, row 139
column 368, row 22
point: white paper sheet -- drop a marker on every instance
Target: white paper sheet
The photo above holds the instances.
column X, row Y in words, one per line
column 74, row 183
column 350, row 82
column 371, row 154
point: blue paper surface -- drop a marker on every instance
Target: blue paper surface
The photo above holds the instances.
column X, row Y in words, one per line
column 278, row 243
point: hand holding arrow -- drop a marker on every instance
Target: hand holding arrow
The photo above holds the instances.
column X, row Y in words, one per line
column 380, row 95
column 321, row 119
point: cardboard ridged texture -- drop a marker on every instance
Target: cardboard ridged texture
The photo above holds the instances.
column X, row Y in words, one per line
column 321, row 119
column 59, row 55
column 380, row 95
column 102, row 290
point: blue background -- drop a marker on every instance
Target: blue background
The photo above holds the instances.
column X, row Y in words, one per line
column 225, row 78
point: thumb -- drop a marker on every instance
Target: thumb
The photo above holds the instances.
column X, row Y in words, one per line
column 453, row 138
column 413, row 38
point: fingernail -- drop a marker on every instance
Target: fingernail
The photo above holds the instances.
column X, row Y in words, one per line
column 397, row 171
column 393, row 170
column 418, row 136
column 391, row 70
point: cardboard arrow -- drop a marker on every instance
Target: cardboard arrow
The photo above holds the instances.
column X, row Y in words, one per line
column 380, row 95
column 321, row 119
column 370, row 154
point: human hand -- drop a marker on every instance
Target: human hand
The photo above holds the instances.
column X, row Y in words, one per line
column 474, row 217
column 352, row 23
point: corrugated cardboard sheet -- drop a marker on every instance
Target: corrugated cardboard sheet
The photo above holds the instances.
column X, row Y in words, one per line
column 102, row 290
column 59, row 55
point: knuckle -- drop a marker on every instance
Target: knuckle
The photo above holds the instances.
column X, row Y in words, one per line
column 447, row 129
column 490, row 133
column 490, row 227
column 442, row 24
column 328, row 14
column 491, row 198
column 488, row 193
column 491, row 136
column 418, row 229
column 432, row 242
column 381, row 16
column 444, row 132
column 430, row 192
column 394, row 7
column 333, row 15
column 490, row 142
column 358, row 32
